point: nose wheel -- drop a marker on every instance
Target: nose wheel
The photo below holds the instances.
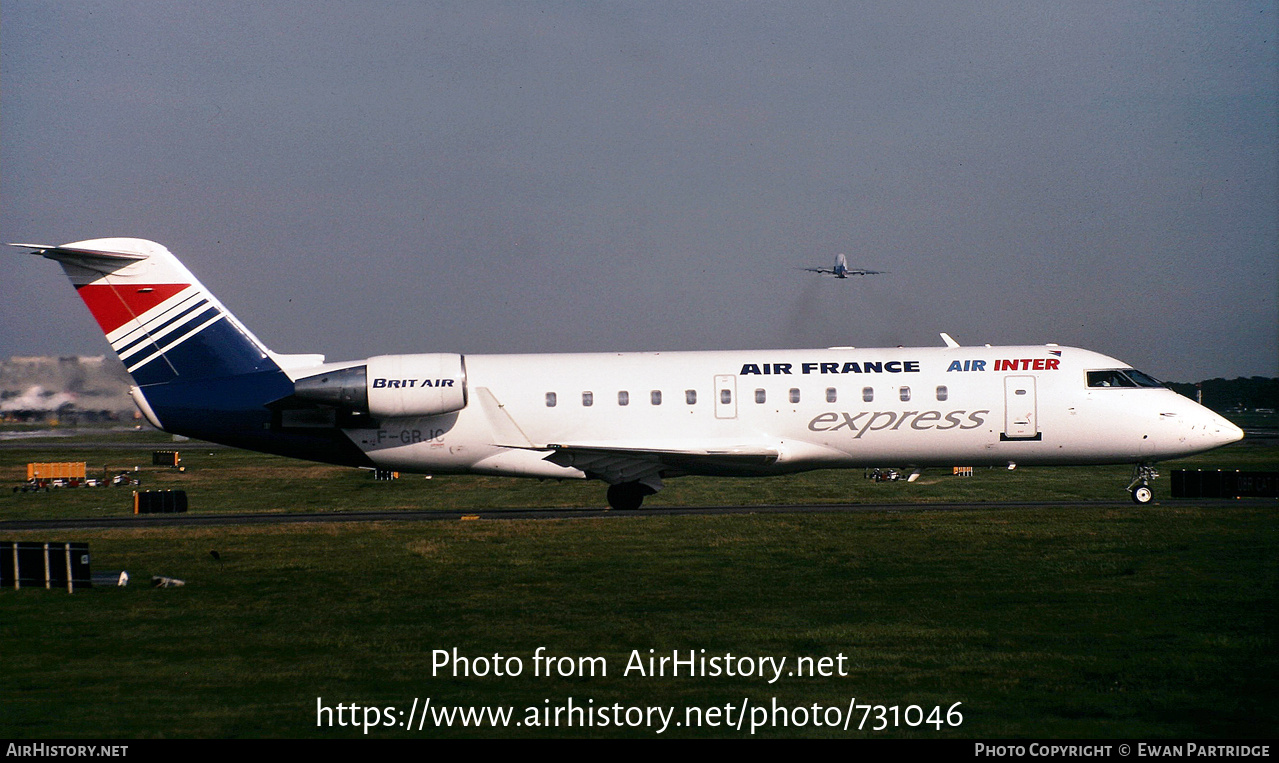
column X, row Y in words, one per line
column 1139, row 488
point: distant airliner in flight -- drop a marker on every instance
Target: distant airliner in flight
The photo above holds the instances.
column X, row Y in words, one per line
column 632, row 419
column 841, row 269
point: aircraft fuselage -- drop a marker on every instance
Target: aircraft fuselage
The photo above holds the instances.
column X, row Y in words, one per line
column 815, row 408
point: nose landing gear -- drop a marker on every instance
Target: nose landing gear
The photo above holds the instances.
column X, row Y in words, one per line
column 1139, row 488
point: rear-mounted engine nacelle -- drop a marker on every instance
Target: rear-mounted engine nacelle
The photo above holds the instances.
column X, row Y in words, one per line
column 416, row 385
column 391, row 386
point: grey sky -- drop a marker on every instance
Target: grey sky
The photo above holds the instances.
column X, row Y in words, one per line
column 359, row 178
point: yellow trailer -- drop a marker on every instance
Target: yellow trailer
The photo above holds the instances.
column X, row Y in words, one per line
column 44, row 473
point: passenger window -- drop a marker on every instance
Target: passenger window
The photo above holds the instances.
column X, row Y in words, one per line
column 550, row 399
column 623, row 398
column 868, row 394
column 726, row 396
column 942, row 394
column 905, row 394
column 760, row 396
column 794, row 395
column 690, row 396
column 588, row 399
column 830, row 394
column 655, row 397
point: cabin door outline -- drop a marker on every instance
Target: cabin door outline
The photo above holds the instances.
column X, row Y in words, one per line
column 726, row 405
column 1021, row 409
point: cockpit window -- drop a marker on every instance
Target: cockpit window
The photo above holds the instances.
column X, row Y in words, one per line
column 1109, row 379
column 1129, row 377
column 1143, row 380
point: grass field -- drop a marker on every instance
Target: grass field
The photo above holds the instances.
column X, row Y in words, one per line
column 1106, row 621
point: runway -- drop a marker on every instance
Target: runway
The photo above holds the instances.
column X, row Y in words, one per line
column 426, row 515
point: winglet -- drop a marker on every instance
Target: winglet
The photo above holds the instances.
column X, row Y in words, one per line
column 947, row 339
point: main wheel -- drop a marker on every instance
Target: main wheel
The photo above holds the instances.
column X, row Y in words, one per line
column 627, row 496
column 1142, row 495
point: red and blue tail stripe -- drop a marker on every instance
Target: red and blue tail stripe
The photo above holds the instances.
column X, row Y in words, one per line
column 166, row 331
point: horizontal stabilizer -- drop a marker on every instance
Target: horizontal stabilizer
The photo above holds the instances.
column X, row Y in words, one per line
column 73, row 253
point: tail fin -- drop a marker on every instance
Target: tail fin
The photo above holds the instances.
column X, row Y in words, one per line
column 199, row 372
column 160, row 320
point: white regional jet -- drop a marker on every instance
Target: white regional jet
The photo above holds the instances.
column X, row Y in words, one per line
column 629, row 419
column 841, row 269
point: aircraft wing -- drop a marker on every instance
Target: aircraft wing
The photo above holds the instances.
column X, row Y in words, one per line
column 847, row 272
column 615, row 465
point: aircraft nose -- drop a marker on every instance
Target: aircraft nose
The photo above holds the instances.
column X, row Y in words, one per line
column 1218, row 431
column 1227, row 432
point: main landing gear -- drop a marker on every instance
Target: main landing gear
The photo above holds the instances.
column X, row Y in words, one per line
column 627, row 496
column 1142, row 474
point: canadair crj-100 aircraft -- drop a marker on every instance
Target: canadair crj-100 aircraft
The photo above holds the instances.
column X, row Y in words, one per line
column 629, row 419
column 841, row 269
